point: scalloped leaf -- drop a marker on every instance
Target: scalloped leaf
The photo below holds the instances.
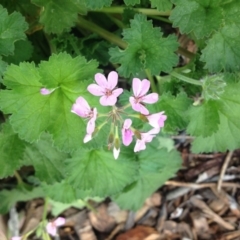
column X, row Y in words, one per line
column 97, row 170
column 12, row 28
column 201, row 17
column 147, row 49
column 33, row 113
column 11, row 151
column 57, row 17
column 156, row 167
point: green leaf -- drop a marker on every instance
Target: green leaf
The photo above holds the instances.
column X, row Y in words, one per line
column 97, row 170
column 131, row 2
column 33, row 113
column 175, row 108
column 9, row 198
column 11, row 151
column 228, row 111
column 57, row 17
column 204, row 119
column 20, row 55
column 223, row 50
column 161, row 5
column 3, row 67
column 12, row 29
column 156, row 167
column 201, row 17
column 60, row 191
column 146, row 49
column 47, row 161
column 98, row 4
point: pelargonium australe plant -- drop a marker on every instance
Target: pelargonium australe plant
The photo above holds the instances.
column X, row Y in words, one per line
column 119, row 117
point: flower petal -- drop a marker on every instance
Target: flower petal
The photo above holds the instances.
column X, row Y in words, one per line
column 108, row 101
column 16, row 238
column 95, row 90
column 140, row 145
column 81, row 107
column 145, row 87
column 150, row 98
column 116, row 153
column 117, row 92
column 87, row 138
column 101, row 80
column 51, row 229
column 157, row 120
column 59, row 221
column 91, row 126
column 138, row 107
column 45, row 91
column 137, row 87
column 127, row 136
column 112, row 80
column 127, row 123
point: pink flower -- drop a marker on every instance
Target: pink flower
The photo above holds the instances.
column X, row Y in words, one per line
column 145, row 138
column 82, row 109
column 106, row 88
column 16, row 238
column 157, row 120
column 127, row 134
column 140, row 88
column 45, row 91
column 52, row 226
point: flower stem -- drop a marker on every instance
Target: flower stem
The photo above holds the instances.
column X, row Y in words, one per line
column 149, row 76
column 186, row 79
column 83, row 23
column 145, row 11
column 44, row 216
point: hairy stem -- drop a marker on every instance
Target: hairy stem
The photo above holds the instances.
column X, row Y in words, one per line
column 149, row 76
column 186, row 79
column 83, row 23
column 120, row 10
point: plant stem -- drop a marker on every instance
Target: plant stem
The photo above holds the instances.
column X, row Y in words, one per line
column 163, row 19
column 44, row 216
column 149, row 76
column 83, row 23
column 18, row 177
column 186, row 79
column 145, row 11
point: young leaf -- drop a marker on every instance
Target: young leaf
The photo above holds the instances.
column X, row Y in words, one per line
column 97, row 170
column 146, row 49
column 204, row 119
column 156, row 167
column 161, row 5
column 9, row 198
column 33, row 113
column 223, row 50
column 47, row 161
column 98, row 4
column 57, row 17
column 175, row 108
column 11, row 151
column 12, row 29
column 226, row 137
column 200, row 17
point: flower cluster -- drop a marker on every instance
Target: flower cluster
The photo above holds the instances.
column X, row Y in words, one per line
column 108, row 92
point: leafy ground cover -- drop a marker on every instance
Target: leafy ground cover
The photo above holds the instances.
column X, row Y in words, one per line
column 94, row 96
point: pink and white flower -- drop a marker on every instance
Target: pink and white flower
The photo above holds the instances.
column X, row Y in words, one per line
column 45, row 91
column 106, row 88
column 127, row 133
column 52, row 226
column 16, row 238
column 82, row 109
column 140, row 88
column 157, row 120
column 145, row 138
